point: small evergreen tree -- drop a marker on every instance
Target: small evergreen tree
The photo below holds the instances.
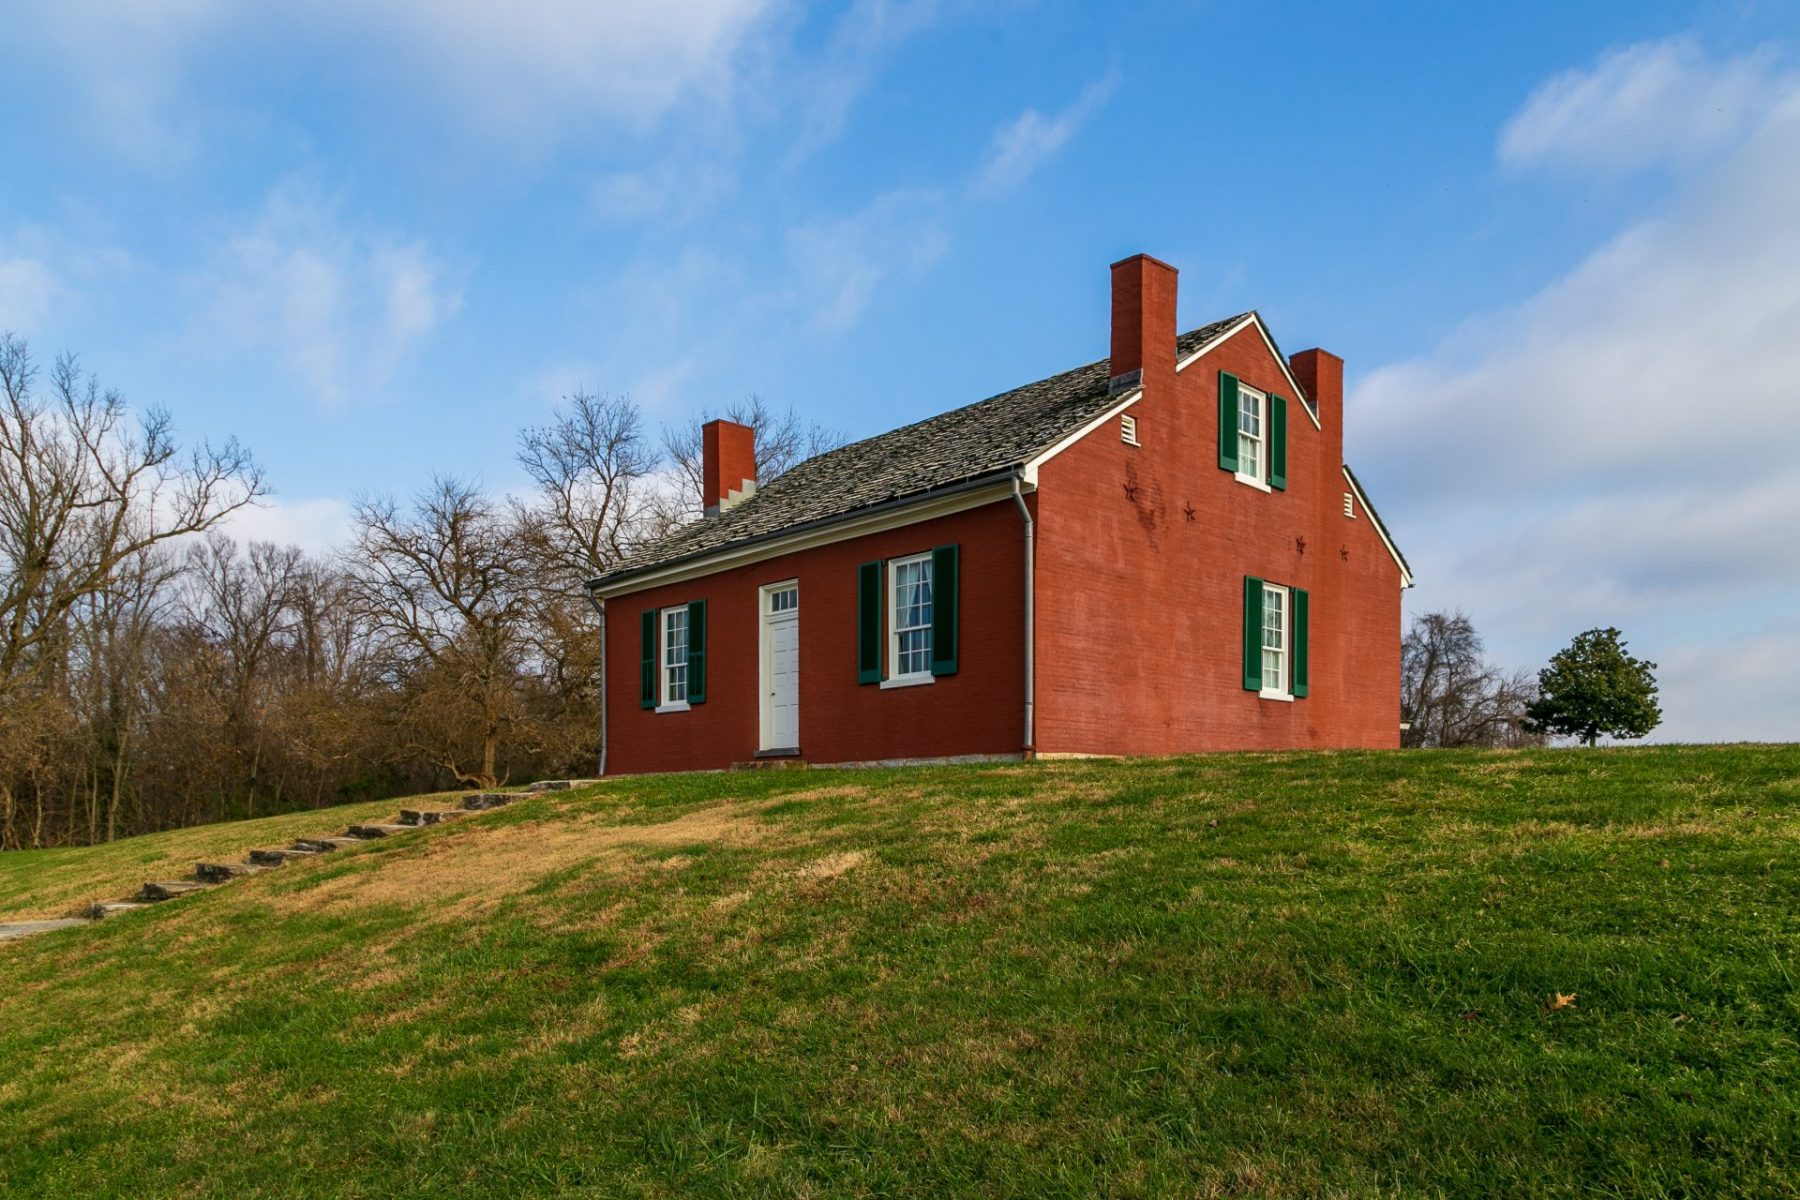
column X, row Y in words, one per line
column 1594, row 688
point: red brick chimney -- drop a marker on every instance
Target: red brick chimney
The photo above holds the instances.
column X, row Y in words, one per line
column 727, row 465
column 1143, row 322
column 1321, row 374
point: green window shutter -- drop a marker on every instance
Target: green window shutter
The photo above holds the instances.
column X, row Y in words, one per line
column 696, row 652
column 647, row 676
column 1299, row 642
column 944, row 588
column 1253, row 616
column 1228, row 422
column 868, row 623
column 1278, row 443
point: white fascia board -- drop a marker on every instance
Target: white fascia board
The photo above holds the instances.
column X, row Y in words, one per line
column 1030, row 475
column 728, row 557
column 1253, row 319
column 1406, row 579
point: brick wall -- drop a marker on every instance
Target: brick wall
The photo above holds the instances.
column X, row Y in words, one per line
column 979, row 710
column 1140, row 604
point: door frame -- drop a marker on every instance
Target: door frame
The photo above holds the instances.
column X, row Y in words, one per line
column 765, row 629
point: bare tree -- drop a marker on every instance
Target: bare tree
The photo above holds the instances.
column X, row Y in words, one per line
column 592, row 466
column 446, row 587
column 1450, row 695
column 84, row 491
column 783, row 441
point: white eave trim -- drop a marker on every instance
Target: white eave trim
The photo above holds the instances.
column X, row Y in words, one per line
column 727, row 557
column 1030, row 474
column 1253, row 319
column 1406, row 579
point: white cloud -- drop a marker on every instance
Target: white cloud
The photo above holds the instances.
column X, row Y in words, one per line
column 840, row 262
column 1652, row 103
column 342, row 309
column 1028, row 141
column 526, row 70
column 317, row 526
column 668, row 192
column 1621, row 447
column 26, row 288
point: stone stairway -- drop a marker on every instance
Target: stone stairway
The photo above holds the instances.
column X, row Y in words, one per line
column 211, row 874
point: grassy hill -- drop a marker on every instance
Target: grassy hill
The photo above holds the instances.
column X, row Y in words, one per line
column 1288, row 975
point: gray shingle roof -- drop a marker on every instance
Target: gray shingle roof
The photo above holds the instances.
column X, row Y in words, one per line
column 990, row 437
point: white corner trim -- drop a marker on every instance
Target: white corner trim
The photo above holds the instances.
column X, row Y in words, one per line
column 1253, row 319
column 1406, row 579
column 900, row 681
column 1030, row 477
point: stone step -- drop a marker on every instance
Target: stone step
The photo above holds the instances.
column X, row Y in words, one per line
column 221, row 872
column 168, row 889
column 274, row 858
column 19, row 929
column 365, row 832
column 428, row 816
column 112, row 908
column 551, row 785
column 486, row 800
column 321, row 845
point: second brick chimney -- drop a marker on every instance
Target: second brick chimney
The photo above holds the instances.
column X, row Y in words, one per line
column 1321, row 373
column 727, row 465
column 1143, row 322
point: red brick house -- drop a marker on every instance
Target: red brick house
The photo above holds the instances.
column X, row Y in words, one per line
column 1159, row 552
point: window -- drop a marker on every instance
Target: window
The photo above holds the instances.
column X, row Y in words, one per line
column 675, row 656
column 909, row 618
column 785, row 599
column 1252, row 439
column 1274, row 641
column 1128, row 429
column 1349, row 506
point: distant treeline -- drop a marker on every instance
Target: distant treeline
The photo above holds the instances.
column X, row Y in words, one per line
column 154, row 672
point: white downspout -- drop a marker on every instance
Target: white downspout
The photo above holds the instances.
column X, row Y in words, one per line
column 1030, row 619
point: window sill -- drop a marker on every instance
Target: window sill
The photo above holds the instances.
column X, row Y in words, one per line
column 900, row 681
column 678, row 706
column 1284, row 697
column 1254, row 482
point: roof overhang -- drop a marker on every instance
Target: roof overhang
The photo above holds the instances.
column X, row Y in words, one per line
column 892, row 514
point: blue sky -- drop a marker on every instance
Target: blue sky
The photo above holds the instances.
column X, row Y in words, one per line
column 1556, row 245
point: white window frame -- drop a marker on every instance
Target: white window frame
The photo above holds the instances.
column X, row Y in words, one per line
column 1285, row 690
column 894, row 676
column 1258, row 475
column 664, row 668
column 1128, row 429
column 1350, row 506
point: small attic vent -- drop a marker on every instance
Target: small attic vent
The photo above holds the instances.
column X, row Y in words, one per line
column 1349, row 506
column 1128, row 429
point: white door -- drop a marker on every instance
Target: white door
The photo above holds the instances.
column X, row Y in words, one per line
column 781, row 668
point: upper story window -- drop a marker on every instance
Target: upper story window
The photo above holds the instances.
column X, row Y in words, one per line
column 1128, row 429
column 1252, row 434
column 909, row 618
column 1252, row 458
column 675, row 656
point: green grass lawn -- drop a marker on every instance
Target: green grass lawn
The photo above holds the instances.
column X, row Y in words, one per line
column 1282, row 975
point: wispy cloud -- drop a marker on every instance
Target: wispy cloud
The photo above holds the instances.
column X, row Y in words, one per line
column 527, row 71
column 1621, row 445
column 341, row 308
column 1031, row 139
column 26, row 287
column 317, row 526
column 840, row 262
column 1653, row 103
